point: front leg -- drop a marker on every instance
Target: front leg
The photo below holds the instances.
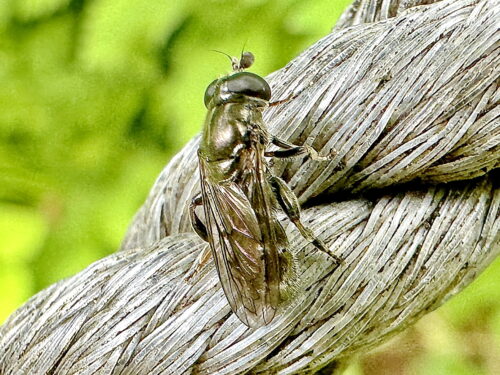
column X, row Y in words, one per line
column 290, row 150
column 290, row 205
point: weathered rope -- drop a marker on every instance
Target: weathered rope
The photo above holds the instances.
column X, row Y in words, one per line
column 407, row 103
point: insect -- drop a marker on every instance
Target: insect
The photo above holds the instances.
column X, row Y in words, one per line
column 240, row 195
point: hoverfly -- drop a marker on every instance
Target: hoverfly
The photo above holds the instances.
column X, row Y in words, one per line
column 240, row 195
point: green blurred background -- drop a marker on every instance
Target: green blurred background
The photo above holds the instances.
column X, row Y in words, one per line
column 97, row 95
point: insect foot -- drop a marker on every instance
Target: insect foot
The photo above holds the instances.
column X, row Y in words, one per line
column 308, row 234
column 314, row 155
column 198, row 265
column 321, row 246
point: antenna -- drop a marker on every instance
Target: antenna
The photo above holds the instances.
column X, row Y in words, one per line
column 234, row 61
column 245, row 61
column 223, row 53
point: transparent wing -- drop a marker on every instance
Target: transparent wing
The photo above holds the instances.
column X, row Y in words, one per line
column 247, row 262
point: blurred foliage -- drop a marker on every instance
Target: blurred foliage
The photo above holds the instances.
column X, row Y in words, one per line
column 97, row 95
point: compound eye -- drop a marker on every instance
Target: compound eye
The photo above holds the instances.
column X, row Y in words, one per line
column 209, row 92
column 249, row 84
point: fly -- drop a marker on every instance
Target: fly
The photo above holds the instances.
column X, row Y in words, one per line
column 240, row 195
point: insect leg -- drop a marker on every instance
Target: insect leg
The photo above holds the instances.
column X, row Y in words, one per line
column 198, row 264
column 198, row 226
column 291, row 150
column 290, row 153
column 289, row 203
column 201, row 230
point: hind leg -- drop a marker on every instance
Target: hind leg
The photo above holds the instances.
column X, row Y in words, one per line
column 288, row 202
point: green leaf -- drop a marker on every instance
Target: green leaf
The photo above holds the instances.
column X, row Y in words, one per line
column 30, row 10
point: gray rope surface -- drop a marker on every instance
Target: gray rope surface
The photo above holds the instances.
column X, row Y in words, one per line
column 407, row 102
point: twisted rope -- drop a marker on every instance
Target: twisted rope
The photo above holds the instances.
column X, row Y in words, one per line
column 407, row 95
